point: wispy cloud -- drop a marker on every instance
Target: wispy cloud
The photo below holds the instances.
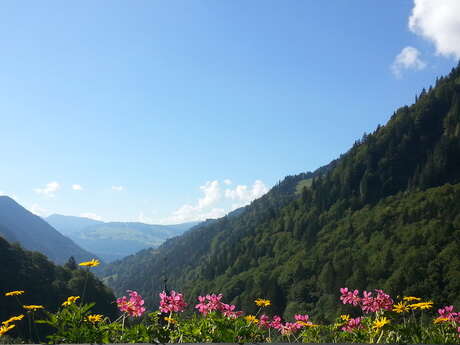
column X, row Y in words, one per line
column 77, row 187
column 118, row 188
column 408, row 58
column 49, row 190
column 439, row 22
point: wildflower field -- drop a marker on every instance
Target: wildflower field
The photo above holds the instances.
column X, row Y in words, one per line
column 377, row 318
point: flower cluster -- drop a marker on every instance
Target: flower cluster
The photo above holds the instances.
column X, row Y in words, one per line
column 210, row 303
column 174, row 302
column 286, row 328
column 132, row 306
column 368, row 303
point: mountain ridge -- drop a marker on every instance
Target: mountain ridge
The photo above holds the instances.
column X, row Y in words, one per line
column 17, row 224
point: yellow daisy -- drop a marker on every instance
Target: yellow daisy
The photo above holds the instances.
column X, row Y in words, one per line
column 380, row 322
column 92, row 263
column 401, row 307
column 263, row 302
column 14, row 293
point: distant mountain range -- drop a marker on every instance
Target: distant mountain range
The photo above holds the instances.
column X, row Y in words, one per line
column 19, row 225
column 114, row 240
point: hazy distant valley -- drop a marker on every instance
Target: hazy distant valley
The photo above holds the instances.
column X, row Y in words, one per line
column 114, row 240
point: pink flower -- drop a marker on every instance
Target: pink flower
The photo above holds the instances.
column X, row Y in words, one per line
column 352, row 324
column 303, row 318
column 448, row 313
column 213, row 302
column 349, row 297
column 370, row 304
column 202, row 306
column 133, row 306
column 276, row 322
column 290, row 328
column 264, row 321
column 173, row 303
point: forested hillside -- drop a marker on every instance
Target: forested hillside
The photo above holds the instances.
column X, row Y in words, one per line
column 384, row 215
column 45, row 283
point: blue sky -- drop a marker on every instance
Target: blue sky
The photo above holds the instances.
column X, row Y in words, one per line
column 170, row 111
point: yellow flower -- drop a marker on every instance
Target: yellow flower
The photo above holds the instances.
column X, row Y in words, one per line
column 12, row 319
column 251, row 319
column 401, row 307
column 92, row 263
column 33, row 307
column 421, row 305
column 94, row 318
column 14, row 293
column 170, row 320
column 380, row 322
column 411, row 298
column 440, row 319
column 5, row 328
column 307, row 324
column 70, row 300
column 262, row 302
column 345, row 317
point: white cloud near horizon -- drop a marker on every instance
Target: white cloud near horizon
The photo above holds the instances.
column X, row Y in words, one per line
column 91, row 215
column 49, row 190
column 439, row 22
column 227, row 181
column 408, row 58
column 77, row 187
column 118, row 188
column 211, row 205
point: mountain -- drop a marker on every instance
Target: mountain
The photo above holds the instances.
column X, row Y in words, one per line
column 114, row 240
column 68, row 225
column 45, row 284
column 383, row 215
column 33, row 233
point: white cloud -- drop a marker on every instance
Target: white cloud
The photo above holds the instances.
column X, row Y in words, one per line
column 211, row 192
column 215, row 203
column 77, row 187
column 39, row 211
column 228, row 182
column 91, row 216
column 409, row 58
column 439, row 22
column 49, row 189
column 118, row 188
column 244, row 195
